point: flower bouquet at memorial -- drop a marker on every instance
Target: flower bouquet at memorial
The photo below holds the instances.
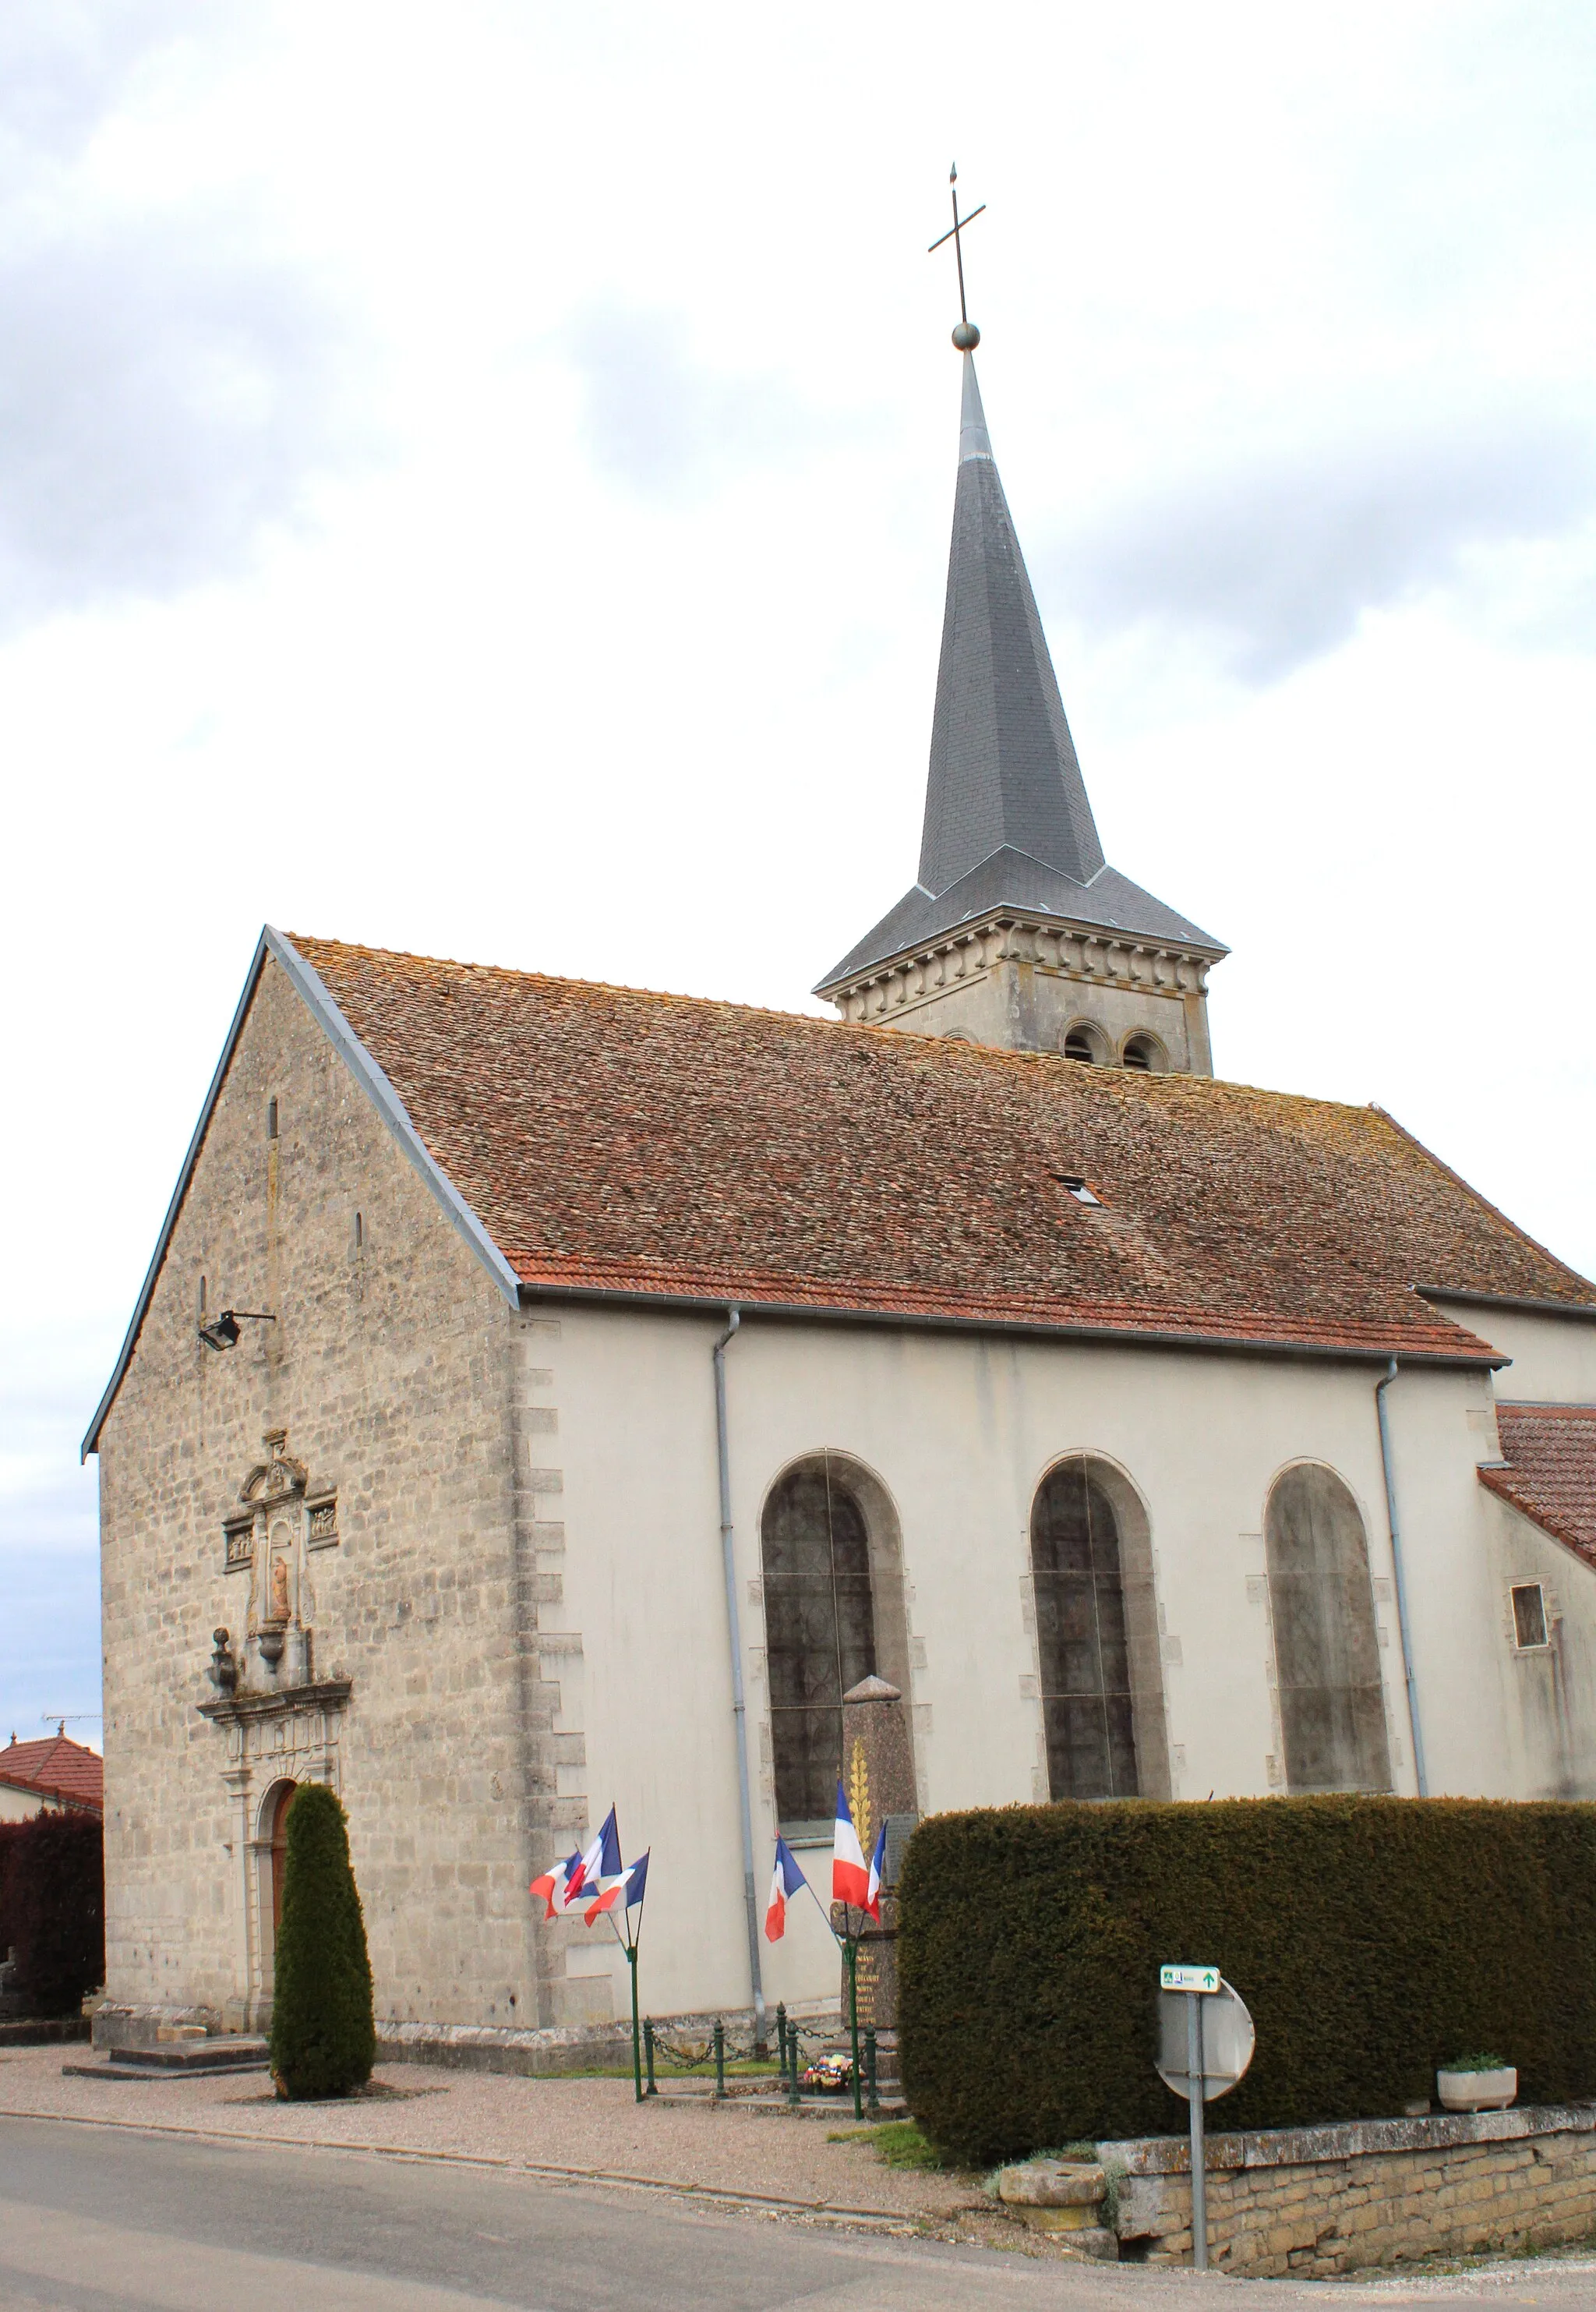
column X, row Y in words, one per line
column 828, row 2075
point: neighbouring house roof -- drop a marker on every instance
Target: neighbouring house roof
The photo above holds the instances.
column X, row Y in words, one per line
column 56, row 1768
column 1550, row 1475
column 589, row 1139
column 1007, row 823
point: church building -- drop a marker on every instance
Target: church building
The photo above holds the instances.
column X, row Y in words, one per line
column 546, row 1394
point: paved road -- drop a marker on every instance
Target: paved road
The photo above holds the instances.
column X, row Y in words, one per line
column 104, row 2220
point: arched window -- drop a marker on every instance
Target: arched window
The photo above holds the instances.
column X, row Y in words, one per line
column 820, row 1632
column 1327, row 1656
column 1083, row 1041
column 1146, row 1054
column 1082, row 1638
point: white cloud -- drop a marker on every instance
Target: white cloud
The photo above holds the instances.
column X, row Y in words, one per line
column 1275, row 561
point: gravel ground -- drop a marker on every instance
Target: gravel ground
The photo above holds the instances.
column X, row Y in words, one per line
column 593, row 2127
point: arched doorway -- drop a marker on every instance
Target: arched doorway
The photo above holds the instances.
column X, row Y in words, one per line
column 283, row 1799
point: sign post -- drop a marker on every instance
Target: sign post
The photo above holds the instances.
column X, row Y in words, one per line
column 1200, row 2062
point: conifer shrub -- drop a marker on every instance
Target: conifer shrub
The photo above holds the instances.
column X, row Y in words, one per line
column 324, row 2037
column 52, row 1909
column 1375, row 1939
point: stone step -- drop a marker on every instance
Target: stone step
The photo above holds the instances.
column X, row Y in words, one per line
column 229, row 2051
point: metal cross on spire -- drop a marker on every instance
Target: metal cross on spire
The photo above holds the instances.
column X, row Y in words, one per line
column 967, row 337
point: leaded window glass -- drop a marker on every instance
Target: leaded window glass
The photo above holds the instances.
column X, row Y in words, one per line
column 1081, row 1642
column 1327, row 1651
column 820, row 1634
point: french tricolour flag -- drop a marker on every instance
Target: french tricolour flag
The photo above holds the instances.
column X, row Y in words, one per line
column 877, row 1872
column 581, row 1873
column 850, row 1881
column 786, row 1880
column 623, row 1891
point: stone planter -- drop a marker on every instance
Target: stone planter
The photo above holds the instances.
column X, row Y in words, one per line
column 1477, row 2090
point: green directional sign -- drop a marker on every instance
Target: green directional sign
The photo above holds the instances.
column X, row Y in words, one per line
column 1189, row 1978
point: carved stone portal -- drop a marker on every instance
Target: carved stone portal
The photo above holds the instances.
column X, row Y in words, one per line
column 281, row 1719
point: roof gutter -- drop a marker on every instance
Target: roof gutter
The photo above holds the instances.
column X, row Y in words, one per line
column 1103, row 1335
column 1381, row 1386
column 739, row 1708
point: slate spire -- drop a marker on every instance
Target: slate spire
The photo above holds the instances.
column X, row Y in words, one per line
column 1003, row 773
column 1017, row 930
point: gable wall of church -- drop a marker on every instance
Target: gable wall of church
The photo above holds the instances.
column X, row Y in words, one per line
column 960, row 1430
column 391, row 1370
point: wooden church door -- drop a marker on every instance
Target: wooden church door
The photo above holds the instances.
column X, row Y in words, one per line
column 285, row 1798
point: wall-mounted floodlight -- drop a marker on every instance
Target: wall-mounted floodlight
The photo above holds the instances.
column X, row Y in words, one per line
column 222, row 1331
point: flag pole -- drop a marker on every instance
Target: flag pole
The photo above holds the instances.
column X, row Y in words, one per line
column 850, row 1946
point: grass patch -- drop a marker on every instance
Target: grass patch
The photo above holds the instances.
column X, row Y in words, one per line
column 898, row 2141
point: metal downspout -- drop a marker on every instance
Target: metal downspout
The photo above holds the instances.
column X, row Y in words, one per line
column 739, row 1708
column 1395, row 1558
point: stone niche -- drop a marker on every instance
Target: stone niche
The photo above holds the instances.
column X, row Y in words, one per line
column 280, row 1716
column 269, row 1544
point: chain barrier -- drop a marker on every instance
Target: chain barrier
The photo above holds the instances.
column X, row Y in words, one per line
column 807, row 2063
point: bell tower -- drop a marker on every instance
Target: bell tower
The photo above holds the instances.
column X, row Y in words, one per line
column 1017, row 930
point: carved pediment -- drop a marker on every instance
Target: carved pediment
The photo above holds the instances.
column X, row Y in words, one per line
column 277, row 1476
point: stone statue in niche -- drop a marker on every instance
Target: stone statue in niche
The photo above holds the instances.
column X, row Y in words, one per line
column 284, row 1520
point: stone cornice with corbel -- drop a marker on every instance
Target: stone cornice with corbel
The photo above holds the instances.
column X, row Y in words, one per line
column 1087, row 953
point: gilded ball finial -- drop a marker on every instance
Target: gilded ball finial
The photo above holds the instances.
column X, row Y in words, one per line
column 967, row 337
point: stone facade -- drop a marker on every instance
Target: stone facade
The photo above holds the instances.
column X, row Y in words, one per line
column 1314, row 2203
column 392, row 1378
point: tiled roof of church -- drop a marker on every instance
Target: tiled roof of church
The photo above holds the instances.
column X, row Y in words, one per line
column 1007, row 819
column 56, row 1767
column 610, row 1139
column 1551, row 1477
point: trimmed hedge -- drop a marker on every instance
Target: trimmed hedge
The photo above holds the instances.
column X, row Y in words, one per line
column 324, row 2037
column 10, row 1832
column 52, row 1908
column 1373, row 1938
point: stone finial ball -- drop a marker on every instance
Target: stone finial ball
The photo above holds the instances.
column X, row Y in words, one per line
column 967, row 337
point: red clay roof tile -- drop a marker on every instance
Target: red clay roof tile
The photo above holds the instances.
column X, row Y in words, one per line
column 56, row 1767
column 1551, row 1450
column 611, row 1139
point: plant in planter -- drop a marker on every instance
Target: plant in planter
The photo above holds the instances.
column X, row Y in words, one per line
column 1476, row 2083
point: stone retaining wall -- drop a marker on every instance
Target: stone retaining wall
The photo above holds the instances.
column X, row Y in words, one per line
column 1320, row 2201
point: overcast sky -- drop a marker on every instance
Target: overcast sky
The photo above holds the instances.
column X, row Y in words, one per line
column 478, row 479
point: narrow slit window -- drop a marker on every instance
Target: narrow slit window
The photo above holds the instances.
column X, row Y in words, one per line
column 360, row 1233
column 1529, row 1616
column 271, row 1119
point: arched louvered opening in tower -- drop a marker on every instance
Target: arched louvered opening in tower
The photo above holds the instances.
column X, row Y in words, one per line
column 1083, row 1041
